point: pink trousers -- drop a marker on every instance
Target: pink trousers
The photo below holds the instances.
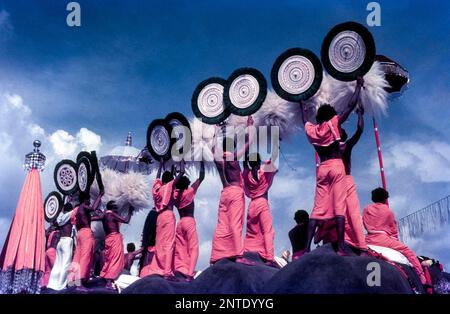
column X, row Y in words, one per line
column 164, row 244
column 227, row 240
column 260, row 235
column 84, row 255
column 354, row 233
column 331, row 190
column 114, row 257
column 50, row 256
column 186, row 246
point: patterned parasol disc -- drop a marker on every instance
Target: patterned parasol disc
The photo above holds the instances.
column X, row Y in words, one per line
column 245, row 91
column 65, row 176
column 207, row 101
column 348, row 51
column 84, row 174
column 52, row 206
column 296, row 74
column 159, row 140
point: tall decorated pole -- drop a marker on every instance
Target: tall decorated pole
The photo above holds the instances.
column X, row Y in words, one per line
column 380, row 155
column 22, row 259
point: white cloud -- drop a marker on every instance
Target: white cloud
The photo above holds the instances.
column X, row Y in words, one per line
column 429, row 161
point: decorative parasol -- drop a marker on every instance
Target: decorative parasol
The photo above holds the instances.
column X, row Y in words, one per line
column 207, row 101
column 22, row 260
column 125, row 158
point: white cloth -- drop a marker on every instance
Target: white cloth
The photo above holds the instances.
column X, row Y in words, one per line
column 63, row 218
column 60, row 271
column 124, row 281
column 280, row 261
column 392, row 255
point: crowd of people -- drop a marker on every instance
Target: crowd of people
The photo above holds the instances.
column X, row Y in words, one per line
column 171, row 249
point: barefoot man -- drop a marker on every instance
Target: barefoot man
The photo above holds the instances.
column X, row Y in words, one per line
column 114, row 250
column 257, row 182
column 331, row 187
column 186, row 241
column 354, row 234
column 84, row 252
column 227, row 241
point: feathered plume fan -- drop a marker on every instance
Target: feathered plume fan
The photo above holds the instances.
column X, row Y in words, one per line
column 373, row 96
column 125, row 188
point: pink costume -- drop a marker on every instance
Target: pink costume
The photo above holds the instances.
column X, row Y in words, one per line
column 382, row 230
column 84, row 255
column 186, row 241
column 145, row 271
column 50, row 256
column 354, row 233
column 331, row 187
column 227, row 241
column 260, row 235
column 165, row 229
column 114, row 257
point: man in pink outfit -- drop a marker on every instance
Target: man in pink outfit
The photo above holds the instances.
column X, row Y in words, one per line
column 162, row 191
column 186, row 239
column 260, row 234
column 354, row 233
column 331, row 186
column 53, row 235
column 227, row 241
column 382, row 229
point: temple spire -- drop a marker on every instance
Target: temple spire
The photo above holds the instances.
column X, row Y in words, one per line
column 129, row 140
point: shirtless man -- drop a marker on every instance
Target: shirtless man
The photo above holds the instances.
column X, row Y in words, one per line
column 331, row 190
column 227, row 241
column 64, row 250
column 354, row 234
column 130, row 257
column 113, row 252
column 84, row 252
column 186, row 241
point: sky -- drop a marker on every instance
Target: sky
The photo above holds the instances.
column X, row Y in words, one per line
column 131, row 62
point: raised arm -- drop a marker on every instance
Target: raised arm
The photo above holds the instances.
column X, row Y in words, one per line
column 178, row 177
column 248, row 140
column 304, row 112
column 96, row 202
column 201, row 177
column 353, row 101
column 161, row 164
column 359, row 130
column 125, row 219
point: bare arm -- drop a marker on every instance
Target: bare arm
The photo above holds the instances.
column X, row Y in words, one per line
column 248, row 141
column 125, row 219
column 353, row 101
column 201, row 177
column 359, row 130
column 161, row 164
column 304, row 112
column 178, row 177
column 96, row 203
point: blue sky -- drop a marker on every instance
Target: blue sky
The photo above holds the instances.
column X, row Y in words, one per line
column 133, row 61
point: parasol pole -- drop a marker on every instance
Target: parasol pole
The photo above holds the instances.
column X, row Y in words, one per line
column 317, row 162
column 380, row 155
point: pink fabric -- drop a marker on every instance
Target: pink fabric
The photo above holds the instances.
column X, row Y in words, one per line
column 84, row 255
column 25, row 245
column 165, row 244
column 382, row 229
column 162, row 194
column 323, row 134
column 185, row 199
column 260, row 234
column 186, row 246
column 331, row 190
column 256, row 188
column 145, row 271
column 354, row 233
column 50, row 256
column 114, row 257
column 227, row 240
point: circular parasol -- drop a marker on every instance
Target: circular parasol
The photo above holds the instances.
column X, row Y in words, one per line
column 348, row 51
column 207, row 101
column 65, row 176
column 52, row 206
column 296, row 74
column 245, row 91
column 125, row 159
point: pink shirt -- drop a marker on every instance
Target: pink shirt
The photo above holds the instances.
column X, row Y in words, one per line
column 256, row 188
column 379, row 218
column 162, row 194
column 323, row 134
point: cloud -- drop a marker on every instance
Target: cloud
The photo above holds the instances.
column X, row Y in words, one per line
column 428, row 161
column 66, row 145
